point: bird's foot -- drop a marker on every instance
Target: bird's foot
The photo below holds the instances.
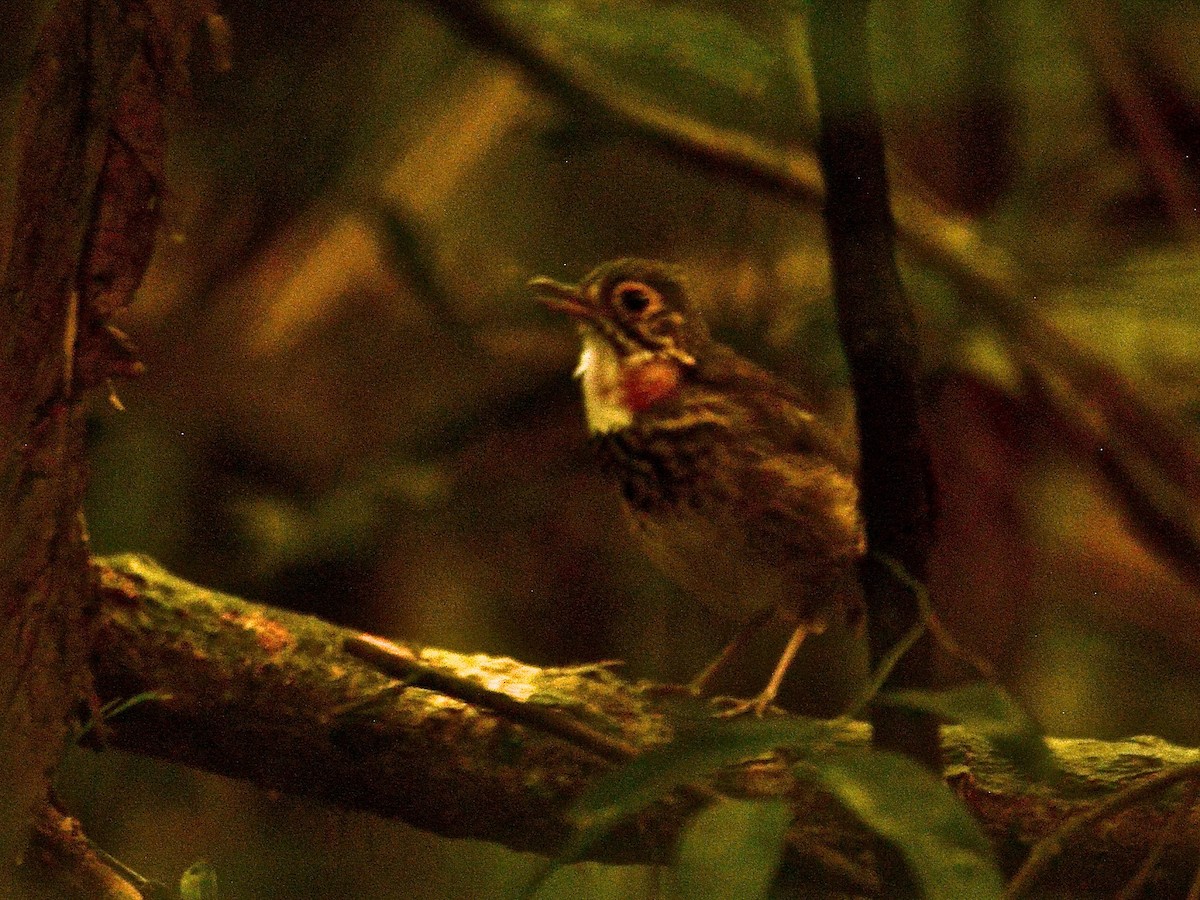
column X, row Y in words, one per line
column 758, row 705
column 734, row 707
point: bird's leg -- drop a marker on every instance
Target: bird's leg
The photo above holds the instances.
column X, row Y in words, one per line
column 763, row 700
column 699, row 684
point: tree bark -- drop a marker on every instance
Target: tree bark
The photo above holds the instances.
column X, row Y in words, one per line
column 89, row 191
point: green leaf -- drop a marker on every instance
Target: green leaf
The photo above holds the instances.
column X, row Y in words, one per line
column 696, row 61
column 692, row 756
column 199, row 882
column 656, row 774
column 732, row 849
column 901, row 801
column 990, row 712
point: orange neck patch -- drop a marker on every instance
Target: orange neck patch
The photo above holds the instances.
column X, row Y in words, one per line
column 650, row 383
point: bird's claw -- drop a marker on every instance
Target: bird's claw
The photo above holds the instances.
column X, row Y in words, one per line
column 734, row 707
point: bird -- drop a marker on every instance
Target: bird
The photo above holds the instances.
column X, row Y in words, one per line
column 731, row 482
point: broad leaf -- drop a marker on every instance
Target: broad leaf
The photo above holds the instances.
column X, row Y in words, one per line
column 732, row 849
column 990, row 712
column 948, row 855
column 692, row 756
column 656, row 774
column 689, row 758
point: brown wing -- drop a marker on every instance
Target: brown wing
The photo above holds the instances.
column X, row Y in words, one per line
column 781, row 417
column 799, row 499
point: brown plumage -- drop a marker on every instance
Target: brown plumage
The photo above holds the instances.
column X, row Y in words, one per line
column 733, row 485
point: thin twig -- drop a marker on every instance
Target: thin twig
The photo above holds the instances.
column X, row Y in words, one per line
column 1047, row 850
column 937, row 629
column 400, row 662
column 147, row 887
column 884, row 670
column 948, row 643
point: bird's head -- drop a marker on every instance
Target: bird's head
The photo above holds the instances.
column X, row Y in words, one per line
column 641, row 335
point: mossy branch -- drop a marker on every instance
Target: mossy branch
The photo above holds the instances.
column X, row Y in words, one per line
column 274, row 698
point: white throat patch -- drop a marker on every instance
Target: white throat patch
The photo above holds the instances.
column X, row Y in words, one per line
column 600, row 374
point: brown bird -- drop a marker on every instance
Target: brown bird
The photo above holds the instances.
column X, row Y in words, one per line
column 731, row 482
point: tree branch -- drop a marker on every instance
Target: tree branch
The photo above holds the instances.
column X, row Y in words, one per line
column 878, row 334
column 87, row 203
column 274, row 698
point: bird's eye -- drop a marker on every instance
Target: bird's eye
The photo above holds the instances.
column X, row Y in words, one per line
column 637, row 298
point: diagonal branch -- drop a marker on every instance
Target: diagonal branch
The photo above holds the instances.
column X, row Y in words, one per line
column 274, row 697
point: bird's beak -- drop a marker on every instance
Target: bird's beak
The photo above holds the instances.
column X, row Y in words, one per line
column 564, row 298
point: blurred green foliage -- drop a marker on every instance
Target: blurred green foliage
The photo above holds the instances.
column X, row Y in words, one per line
column 900, row 800
column 731, row 849
column 698, row 60
column 199, row 882
column 987, row 710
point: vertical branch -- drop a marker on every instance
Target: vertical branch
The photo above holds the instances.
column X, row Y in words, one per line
column 878, row 333
column 87, row 204
column 43, row 557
